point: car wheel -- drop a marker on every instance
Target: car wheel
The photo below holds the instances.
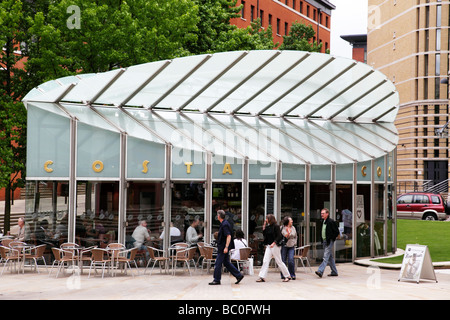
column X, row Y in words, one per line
column 429, row 216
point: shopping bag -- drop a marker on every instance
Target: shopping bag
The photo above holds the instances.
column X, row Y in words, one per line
column 250, row 266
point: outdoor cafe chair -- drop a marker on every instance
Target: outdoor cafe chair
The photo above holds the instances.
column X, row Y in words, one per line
column 200, row 246
column 185, row 255
column 157, row 256
column 37, row 253
column 9, row 255
column 301, row 254
column 100, row 257
column 6, row 242
column 62, row 257
column 128, row 256
column 244, row 254
column 208, row 258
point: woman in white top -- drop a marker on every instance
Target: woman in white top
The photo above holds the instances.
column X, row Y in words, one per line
column 239, row 242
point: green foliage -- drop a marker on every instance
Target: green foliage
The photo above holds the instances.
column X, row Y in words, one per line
column 300, row 37
column 216, row 34
column 12, row 112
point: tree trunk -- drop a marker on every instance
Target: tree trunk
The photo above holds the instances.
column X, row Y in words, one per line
column 7, row 214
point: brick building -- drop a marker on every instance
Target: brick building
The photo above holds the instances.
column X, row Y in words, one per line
column 282, row 13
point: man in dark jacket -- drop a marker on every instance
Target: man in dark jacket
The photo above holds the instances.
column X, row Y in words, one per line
column 224, row 244
column 329, row 233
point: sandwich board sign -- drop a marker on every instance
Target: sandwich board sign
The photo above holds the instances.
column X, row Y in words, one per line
column 417, row 264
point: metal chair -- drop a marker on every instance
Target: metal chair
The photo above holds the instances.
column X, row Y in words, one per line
column 128, row 256
column 100, row 257
column 61, row 257
column 37, row 253
column 301, row 254
column 244, row 254
column 9, row 255
column 185, row 255
column 208, row 258
column 157, row 256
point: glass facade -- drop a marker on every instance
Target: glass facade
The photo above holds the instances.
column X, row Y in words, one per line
column 97, row 170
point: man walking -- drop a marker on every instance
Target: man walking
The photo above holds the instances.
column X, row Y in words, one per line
column 329, row 234
column 224, row 245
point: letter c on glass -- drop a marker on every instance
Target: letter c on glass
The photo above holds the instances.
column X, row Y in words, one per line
column 46, row 166
column 363, row 171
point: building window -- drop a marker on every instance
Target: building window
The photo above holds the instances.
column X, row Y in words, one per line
column 307, row 11
column 270, row 19
column 252, row 13
column 278, row 26
column 286, row 28
column 300, row 8
column 243, row 9
column 261, row 16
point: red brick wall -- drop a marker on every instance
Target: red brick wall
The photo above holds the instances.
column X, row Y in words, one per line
column 286, row 15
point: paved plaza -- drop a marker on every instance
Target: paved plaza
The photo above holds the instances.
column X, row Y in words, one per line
column 355, row 282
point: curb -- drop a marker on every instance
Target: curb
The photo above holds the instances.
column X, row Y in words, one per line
column 368, row 262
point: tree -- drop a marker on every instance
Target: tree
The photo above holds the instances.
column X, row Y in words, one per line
column 300, row 37
column 12, row 112
column 216, row 34
column 95, row 36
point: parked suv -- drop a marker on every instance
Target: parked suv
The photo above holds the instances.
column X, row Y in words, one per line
column 421, row 205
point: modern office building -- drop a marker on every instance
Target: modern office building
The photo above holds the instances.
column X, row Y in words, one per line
column 280, row 14
column 408, row 41
column 282, row 132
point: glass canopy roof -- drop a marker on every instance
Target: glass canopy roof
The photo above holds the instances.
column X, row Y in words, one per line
column 289, row 106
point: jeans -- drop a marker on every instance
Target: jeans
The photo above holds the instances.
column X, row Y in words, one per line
column 224, row 258
column 328, row 258
column 287, row 255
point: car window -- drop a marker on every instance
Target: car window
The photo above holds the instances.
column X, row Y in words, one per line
column 435, row 199
column 407, row 198
column 421, row 198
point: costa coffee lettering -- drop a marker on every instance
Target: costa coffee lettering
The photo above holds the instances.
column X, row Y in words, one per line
column 46, row 166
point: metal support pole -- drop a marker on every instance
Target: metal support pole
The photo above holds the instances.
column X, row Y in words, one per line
column 122, row 188
column 72, row 181
column 208, row 198
column 167, row 197
column 245, row 193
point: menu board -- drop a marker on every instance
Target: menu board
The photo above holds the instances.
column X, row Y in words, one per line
column 270, row 201
column 417, row 264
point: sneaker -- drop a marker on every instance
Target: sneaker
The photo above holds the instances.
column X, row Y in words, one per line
column 319, row 274
column 214, row 283
column 333, row 275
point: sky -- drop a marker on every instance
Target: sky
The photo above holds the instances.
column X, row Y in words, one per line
column 349, row 17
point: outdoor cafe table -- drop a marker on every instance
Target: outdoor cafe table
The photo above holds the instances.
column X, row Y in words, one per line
column 22, row 248
column 114, row 253
column 77, row 256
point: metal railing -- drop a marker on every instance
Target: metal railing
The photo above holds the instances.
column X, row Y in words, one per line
column 423, row 186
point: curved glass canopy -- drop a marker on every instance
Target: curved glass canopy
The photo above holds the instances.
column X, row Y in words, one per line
column 289, row 106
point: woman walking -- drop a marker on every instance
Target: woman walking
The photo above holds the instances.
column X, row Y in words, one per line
column 287, row 251
column 272, row 242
